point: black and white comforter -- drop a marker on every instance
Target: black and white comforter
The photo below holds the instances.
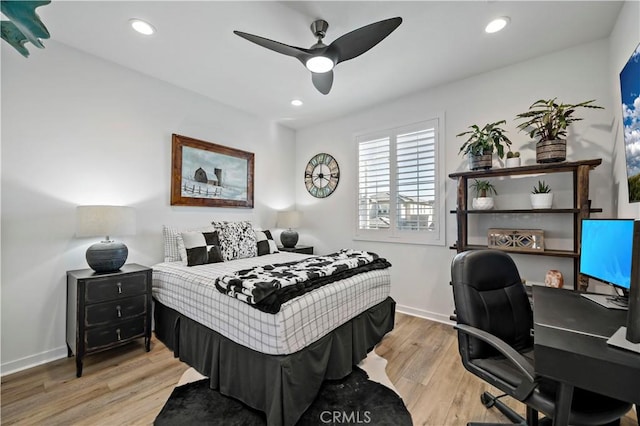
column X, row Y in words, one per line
column 267, row 287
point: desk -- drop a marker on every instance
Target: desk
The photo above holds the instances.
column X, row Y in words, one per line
column 570, row 344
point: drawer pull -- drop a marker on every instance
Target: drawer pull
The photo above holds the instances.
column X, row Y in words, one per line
column 118, row 334
column 119, row 288
column 119, row 311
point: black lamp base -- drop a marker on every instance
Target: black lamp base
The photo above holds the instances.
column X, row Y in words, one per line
column 289, row 238
column 107, row 256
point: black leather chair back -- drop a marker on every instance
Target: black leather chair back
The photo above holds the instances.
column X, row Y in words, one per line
column 489, row 295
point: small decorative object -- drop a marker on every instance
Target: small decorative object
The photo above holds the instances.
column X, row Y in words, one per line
column 513, row 159
column 481, row 143
column 24, row 24
column 209, row 175
column 321, row 176
column 554, row 279
column 289, row 219
column 93, row 221
column 482, row 200
column 531, row 240
column 548, row 120
column 541, row 196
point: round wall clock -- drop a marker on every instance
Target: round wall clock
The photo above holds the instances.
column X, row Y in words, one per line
column 321, row 176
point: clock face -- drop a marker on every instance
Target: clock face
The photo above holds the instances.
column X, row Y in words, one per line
column 321, row 176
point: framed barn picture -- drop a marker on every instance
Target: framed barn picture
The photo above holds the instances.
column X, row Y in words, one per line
column 210, row 175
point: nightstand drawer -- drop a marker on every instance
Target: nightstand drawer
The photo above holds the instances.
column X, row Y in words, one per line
column 110, row 288
column 104, row 336
column 116, row 310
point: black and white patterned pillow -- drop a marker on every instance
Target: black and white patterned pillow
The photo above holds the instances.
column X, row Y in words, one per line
column 237, row 239
column 265, row 243
column 202, row 247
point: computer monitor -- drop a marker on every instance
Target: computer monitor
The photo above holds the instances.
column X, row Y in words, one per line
column 610, row 253
column 605, row 254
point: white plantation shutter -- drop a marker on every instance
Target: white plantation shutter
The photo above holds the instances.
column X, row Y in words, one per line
column 373, row 184
column 398, row 181
column 415, row 180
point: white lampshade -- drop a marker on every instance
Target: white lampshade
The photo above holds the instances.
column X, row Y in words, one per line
column 94, row 221
column 289, row 219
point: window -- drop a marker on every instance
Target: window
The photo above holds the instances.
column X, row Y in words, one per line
column 399, row 176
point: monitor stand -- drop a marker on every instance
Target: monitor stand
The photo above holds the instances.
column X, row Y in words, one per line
column 604, row 300
column 619, row 340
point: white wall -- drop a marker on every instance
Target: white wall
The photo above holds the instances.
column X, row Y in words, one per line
column 420, row 274
column 80, row 130
column 622, row 42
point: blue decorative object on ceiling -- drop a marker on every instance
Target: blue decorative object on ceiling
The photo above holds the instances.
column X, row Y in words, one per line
column 24, row 24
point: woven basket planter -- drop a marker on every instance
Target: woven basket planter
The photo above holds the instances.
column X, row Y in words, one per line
column 551, row 151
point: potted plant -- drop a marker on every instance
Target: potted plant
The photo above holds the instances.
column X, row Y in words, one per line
column 482, row 142
column 547, row 120
column 513, row 159
column 483, row 189
column 541, row 196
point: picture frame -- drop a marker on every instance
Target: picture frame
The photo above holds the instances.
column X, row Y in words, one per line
column 206, row 174
column 630, row 94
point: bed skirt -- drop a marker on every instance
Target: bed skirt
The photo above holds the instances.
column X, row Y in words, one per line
column 281, row 386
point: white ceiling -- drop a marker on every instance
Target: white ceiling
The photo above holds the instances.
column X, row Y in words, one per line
column 438, row 42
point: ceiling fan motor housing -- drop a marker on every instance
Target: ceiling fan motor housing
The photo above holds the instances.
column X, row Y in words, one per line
column 319, row 28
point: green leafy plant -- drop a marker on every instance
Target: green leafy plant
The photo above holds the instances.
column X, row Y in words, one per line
column 483, row 141
column 483, row 187
column 541, row 188
column 548, row 120
column 513, row 154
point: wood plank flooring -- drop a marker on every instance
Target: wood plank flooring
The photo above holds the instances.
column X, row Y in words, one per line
column 129, row 386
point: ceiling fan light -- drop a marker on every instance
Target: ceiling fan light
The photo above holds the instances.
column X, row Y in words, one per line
column 142, row 27
column 319, row 64
column 497, row 24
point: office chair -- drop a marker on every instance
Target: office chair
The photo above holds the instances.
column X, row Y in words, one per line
column 494, row 323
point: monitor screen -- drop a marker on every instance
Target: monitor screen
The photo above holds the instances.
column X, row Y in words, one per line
column 606, row 246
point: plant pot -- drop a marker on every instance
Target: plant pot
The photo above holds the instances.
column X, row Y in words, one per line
column 482, row 203
column 480, row 162
column 512, row 162
column 551, row 151
column 542, row 201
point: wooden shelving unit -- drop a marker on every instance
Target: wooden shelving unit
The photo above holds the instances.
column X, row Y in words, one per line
column 581, row 206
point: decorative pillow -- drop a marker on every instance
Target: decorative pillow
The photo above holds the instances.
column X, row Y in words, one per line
column 202, row 247
column 265, row 243
column 171, row 252
column 237, row 239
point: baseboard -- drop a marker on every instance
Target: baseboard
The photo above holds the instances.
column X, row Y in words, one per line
column 33, row 361
column 424, row 314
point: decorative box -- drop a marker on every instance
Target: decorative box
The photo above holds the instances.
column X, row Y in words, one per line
column 531, row 240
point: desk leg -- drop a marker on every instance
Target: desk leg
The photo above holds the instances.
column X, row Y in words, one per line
column 563, row 404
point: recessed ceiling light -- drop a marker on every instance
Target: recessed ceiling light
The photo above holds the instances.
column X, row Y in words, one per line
column 497, row 24
column 296, row 102
column 142, row 27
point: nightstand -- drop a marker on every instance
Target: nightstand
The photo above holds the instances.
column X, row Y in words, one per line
column 298, row 249
column 105, row 310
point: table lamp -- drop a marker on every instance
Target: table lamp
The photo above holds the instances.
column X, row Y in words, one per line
column 93, row 221
column 289, row 219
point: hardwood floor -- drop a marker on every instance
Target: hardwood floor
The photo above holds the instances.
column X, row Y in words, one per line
column 129, row 386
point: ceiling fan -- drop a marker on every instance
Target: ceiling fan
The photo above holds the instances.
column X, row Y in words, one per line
column 320, row 58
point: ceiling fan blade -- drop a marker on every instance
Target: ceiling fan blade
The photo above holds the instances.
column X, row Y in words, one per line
column 322, row 81
column 358, row 41
column 297, row 52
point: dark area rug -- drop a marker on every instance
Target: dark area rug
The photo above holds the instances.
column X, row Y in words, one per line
column 354, row 400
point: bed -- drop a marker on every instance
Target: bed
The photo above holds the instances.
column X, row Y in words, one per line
column 273, row 362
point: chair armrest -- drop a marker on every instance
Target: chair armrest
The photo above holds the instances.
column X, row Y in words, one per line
column 521, row 363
